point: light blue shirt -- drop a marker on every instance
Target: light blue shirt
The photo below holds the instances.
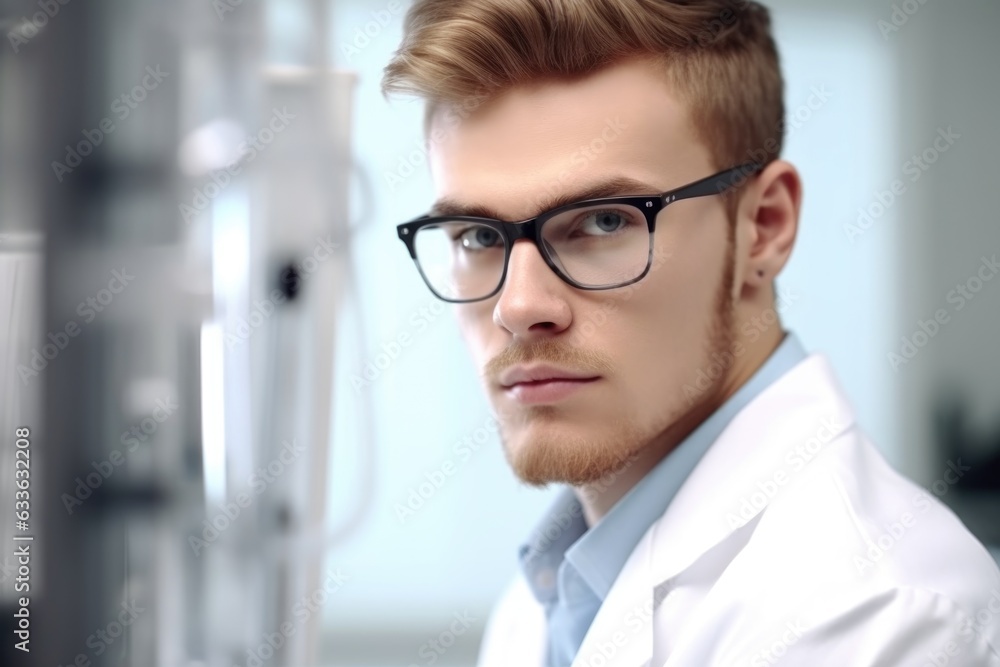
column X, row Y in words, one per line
column 570, row 569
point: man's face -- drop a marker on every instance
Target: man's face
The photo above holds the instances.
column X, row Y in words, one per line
column 642, row 343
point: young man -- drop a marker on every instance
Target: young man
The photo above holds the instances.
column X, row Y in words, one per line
column 612, row 213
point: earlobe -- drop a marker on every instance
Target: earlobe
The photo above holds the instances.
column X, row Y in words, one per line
column 757, row 279
column 775, row 218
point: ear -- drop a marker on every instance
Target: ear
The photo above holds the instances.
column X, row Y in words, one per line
column 769, row 214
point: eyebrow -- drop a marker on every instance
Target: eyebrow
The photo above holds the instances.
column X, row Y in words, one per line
column 618, row 185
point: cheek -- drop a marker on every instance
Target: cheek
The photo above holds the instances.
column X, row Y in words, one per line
column 665, row 324
column 475, row 323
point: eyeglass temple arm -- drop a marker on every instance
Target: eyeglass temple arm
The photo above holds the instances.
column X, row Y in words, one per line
column 714, row 184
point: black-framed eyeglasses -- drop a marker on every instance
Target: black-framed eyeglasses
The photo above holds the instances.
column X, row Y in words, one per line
column 597, row 244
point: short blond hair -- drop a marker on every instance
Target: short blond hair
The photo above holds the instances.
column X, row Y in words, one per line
column 718, row 56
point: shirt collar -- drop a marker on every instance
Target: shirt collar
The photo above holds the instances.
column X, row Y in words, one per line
column 543, row 552
column 598, row 554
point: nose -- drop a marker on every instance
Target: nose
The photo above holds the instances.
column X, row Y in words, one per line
column 533, row 300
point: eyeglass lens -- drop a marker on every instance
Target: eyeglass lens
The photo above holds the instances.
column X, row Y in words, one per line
column 598, row 246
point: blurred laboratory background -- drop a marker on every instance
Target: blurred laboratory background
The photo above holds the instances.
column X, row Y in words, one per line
column 202, row 294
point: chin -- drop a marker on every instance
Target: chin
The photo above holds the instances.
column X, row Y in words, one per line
column 540, row 454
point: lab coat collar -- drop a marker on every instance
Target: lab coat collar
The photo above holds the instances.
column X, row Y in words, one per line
column 784, row 428
column 779, row 432
column 622, row 631
column 600, row 553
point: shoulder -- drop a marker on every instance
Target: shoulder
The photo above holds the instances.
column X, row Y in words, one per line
column 851, row 504
column 849, row 563
column 860, row 551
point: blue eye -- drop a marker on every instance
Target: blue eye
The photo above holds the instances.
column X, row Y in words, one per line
column 479, row 238
column 606, row 221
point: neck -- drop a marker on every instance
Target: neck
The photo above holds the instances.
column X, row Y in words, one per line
column 598, row 498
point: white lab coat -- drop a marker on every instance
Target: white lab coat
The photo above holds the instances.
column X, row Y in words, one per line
column 839, row 560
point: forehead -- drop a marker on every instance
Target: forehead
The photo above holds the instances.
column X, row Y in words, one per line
column 534, row 143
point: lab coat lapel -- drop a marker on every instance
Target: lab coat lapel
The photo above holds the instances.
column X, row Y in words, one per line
column 516, row 634
column 773, row 437
column 622, row 631
column 725, row 492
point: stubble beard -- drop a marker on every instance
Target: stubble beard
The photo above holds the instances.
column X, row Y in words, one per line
column 581, row 460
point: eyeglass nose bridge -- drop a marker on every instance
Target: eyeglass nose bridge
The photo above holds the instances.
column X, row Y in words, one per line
column 526, row 229
column 530, row 229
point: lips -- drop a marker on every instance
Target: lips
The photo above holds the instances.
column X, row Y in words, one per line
column 539, row 374
column 547, row 391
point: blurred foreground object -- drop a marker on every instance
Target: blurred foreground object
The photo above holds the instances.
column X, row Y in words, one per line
column 160, row 171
